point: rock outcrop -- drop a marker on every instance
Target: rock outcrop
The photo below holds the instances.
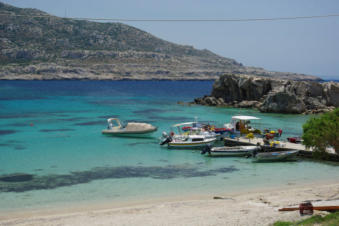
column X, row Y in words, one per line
column 272, row 95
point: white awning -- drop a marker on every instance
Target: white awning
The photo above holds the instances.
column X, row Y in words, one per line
column 245, row 117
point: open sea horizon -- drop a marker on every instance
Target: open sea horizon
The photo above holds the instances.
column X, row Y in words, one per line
column 52, row 131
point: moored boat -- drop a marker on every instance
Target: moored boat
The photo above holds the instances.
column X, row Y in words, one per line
column 236, row 151
column 190, row 141
column 240, row 123
column 194, row 128
column 289, row 155
column 131, row 129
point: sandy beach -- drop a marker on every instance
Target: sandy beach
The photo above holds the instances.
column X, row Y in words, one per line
column 252, row 208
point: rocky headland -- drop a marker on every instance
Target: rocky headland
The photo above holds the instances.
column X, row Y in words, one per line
column 272, row 95
column 36, row 45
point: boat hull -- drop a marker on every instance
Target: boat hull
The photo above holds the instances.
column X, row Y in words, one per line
column 276, row 156
column 141, row 134
column 199, row 144
column 239, row 151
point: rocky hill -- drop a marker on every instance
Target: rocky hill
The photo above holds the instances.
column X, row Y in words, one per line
column 272, row 95
column 35, row 45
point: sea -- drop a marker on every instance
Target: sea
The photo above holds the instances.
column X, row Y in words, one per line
column 50, row 132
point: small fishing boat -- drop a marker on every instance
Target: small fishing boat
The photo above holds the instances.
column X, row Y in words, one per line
column 189, row 141
column 230, row 151
column 240, row 123
column 295, row 140
column 289, row 155
column 131, row 129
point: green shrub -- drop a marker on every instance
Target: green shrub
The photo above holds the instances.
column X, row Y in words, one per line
column 321, row 132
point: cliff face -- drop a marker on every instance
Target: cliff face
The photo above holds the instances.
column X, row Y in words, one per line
column 35, row 45
column 272, row 95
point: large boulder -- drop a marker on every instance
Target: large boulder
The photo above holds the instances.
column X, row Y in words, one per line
column 283, row 102
column 304, row 89
column 248, row 104
column 241, row 87
column 272, row 95
column 331, row 93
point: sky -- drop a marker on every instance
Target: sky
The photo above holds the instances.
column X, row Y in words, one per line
column 308, row 46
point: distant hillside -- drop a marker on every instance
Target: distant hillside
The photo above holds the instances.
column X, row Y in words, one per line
column 35, row 45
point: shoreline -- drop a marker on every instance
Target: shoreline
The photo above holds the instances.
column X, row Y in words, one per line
column 112, row 79
column 253, row 207
column 138, row 79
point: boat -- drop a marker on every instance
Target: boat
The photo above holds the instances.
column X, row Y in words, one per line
column 189, row 141
column 295, row 140
column 288, row 155
column 130, row 129
column 194, row 128
column 240, row 123
column 226, row 151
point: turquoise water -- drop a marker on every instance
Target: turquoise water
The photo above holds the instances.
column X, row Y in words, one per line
column 52, row 130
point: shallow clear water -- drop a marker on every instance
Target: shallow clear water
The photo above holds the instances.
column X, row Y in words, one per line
column 52, row 129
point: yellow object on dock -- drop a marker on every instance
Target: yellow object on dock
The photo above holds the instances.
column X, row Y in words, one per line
column 250, row 136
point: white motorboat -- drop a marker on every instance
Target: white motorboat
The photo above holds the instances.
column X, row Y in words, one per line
column 230, row 151
column 189, row 141
column 187, row 129
column 131, row 129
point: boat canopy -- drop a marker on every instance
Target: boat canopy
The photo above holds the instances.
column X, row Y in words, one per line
column 245, row 117
column 111, row 121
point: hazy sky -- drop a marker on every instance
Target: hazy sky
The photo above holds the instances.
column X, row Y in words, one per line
column 309, row 46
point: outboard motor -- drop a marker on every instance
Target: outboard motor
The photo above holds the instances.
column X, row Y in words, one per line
column 166, row 140
column 207, row 149
column 254, row 153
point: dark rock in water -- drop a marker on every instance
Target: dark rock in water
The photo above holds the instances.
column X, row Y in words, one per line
column 149, row 111
column 142, row 143
column 91, row 123
column 19, row 147
column 29, row 182
column 167, row 118
column 18, row 124
column 17, row 177
column 272, row 95
column 6, row 132
column 55, row 130
column 71, row 119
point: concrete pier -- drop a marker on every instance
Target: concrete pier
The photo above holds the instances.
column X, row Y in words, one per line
column 303, row 151
column 256, row 141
